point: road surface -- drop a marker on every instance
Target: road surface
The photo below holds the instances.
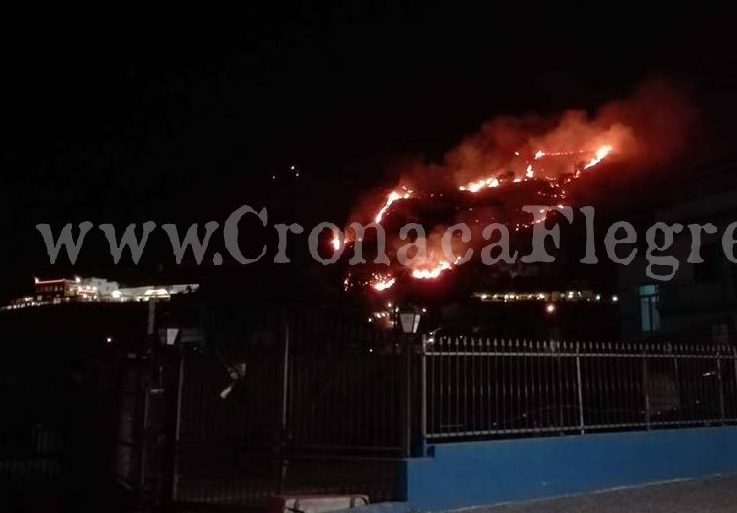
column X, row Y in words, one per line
column 713, row 495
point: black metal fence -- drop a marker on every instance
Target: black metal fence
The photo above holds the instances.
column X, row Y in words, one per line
column 299, row 403
column 344, row 383
column 308, row 403
column 30, row 454
column 492, row 388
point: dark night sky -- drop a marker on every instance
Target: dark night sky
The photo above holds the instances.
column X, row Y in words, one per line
column 127, row 126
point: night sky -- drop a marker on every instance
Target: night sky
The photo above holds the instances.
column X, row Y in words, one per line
column 185, row 124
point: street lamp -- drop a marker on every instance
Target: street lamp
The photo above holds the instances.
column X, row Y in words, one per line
column 409, row 320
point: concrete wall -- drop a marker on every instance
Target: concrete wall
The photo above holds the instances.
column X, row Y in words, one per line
column 478, row 473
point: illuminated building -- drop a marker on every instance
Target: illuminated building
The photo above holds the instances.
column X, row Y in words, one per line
column 79, row 289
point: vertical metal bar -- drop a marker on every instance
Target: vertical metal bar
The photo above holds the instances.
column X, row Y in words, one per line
column 431, row 403
column 143, row 434
column 457, row 387
column 719, row 382
column 646, row 388
column 610, row 383
column 580, row 391
column 471, row 412
column 518, row 380
column 496, row 423
column 544, row 377
column 616, row 377
column 482, row 397
column 423, row 399
column 506, row 390
column 734, row 384
column 705, row 391
column 503, row 380
column 597, row 368
column 525, row 410
column 283, row 462
column 147, row 367
column 465, row 384
column 677, row 379
column 406, row 422
column 488, row 422
column 449, row 415
column 178, row 428
column 559, row 388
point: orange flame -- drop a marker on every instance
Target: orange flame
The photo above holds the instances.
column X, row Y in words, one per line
column 480, row 184
column 600, row 155
column 383, row 282
column 490, row 182
column 433, row 272
column 391, row 198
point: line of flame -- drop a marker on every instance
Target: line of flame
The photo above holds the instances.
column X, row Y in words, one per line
column 391, row 198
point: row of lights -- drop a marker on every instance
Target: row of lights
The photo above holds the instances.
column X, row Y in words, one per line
column 586, row 296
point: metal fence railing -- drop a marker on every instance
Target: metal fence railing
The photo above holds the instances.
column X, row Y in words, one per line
column 31, row 454
column 494, row 388
column 316, row 410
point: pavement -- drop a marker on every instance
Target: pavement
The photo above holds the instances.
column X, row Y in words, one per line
column 713, row 495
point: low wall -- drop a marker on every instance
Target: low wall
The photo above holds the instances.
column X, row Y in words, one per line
column 480, row 473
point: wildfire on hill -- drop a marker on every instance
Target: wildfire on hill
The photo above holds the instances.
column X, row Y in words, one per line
column 512, row 162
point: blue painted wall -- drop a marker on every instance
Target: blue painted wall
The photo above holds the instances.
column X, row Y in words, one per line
column 477, row 473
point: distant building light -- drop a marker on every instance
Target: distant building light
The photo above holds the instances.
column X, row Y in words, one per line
column 615, row 298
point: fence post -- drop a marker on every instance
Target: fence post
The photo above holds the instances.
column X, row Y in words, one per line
column 677, row 376
column 406, row 423
column 734, row 385
column 423, row 399
column 173, row 360
column 646, row 388
column 282, row 447
column 144, row 373
column 580, row 389
column 719, row 382
column 178, row 425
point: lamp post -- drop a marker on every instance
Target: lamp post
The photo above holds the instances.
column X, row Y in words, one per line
column 409, row 320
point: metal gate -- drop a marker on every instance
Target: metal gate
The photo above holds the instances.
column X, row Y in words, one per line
column 266, row 404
